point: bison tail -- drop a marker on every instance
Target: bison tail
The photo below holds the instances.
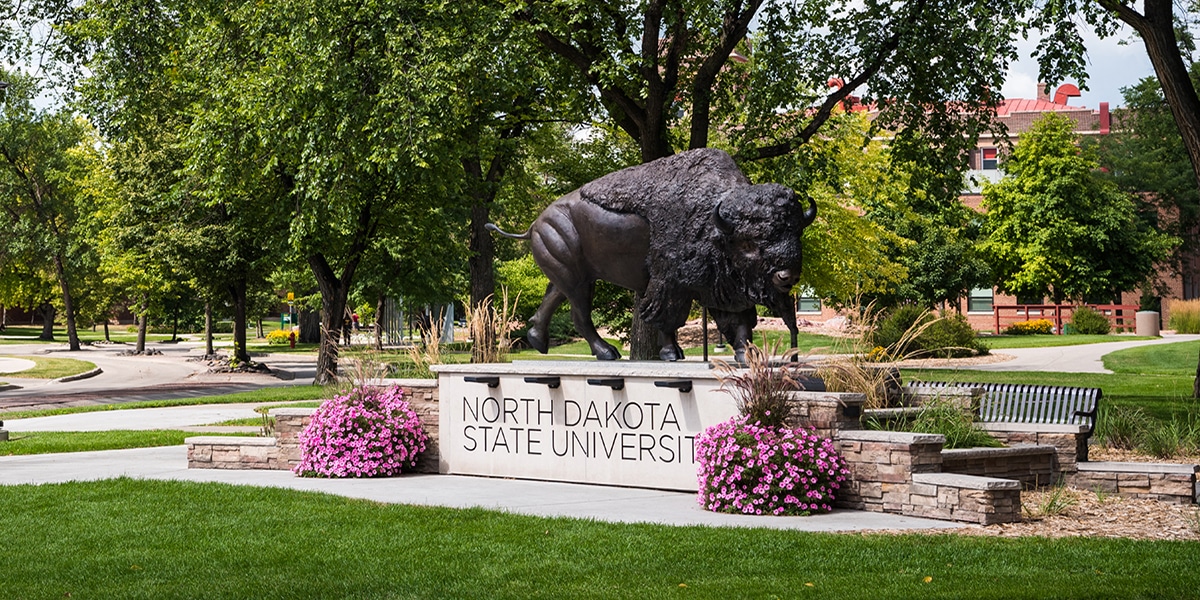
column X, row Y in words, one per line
column 515, row 236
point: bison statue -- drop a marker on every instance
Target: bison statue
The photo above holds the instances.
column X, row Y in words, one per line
column 686, row 227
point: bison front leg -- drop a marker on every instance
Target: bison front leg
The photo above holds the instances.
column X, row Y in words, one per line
column 738, row 328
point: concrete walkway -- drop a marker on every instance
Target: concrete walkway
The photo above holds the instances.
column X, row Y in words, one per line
column 172, row 417
column 537, row 498
column 15, row 365
column 1084, row 358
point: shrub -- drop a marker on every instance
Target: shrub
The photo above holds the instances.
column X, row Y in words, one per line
column 368, row 432
column 748, row 468
column 1036, row 326
column 892, row 330
column 279, row 337
column 950, row 336
column 1185, row 316
column 912, row 331
column 1089, row 321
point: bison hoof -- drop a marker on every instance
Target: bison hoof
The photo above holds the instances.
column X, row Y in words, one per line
column 537, row 340
column 671, row 353
column 607, row 352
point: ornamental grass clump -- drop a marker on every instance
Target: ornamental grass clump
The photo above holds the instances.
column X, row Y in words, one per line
column 756, row 463
column 368, row 432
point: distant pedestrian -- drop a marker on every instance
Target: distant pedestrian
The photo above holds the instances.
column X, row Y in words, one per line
column 355, row 318
column 346, row 324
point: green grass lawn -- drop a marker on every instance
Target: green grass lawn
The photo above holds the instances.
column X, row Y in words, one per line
column 49, row 442
column 128, row 538
column 999, row 342
column 289, row 393
column 51, row 368
column 1163, row 359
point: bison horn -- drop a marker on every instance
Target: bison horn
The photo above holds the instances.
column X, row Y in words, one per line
column 811, row 214
column 724, row 225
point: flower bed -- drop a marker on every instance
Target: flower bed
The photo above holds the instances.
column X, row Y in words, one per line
column 368, row 432
column 754, row 469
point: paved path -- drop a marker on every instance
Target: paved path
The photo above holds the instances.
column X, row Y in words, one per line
column 538, row 498
column 1084, row 358
column 173, row 417
column 15, row 365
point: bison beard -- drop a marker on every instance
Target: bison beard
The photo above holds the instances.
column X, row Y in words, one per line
column 682, row 228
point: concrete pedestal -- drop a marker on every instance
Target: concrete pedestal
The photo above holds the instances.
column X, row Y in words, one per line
column 1147, row 323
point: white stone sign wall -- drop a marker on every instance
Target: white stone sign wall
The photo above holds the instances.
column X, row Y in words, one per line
column 641, row 435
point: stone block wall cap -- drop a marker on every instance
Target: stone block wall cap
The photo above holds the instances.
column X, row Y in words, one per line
column 582, row 368
column 842, row 397
column 894, row 437
column 1033, row 427
column 926, row 390
column 1014, row 450
column 1136, row 467
column 229, row 440
column 291, row 412
column 412, row 383
column 966, row 482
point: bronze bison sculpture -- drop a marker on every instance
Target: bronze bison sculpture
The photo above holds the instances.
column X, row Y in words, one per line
column 686, row 227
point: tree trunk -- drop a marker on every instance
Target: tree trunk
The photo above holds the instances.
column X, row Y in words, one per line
column 310, row 327
column 643, row 337
column 68, row 302
column 106, row 337
column 334, row 293
column 380, row 303
column 140, row 347
column 47, row 311
column 208, row 329
column 237, row 292
column 175, row 325
column 260, row 329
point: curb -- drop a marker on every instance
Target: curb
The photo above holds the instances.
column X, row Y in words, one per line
column 8, row 388
column 84, row 375
column 282, row 374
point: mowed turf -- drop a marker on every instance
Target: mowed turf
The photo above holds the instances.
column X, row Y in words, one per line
column 147, row 539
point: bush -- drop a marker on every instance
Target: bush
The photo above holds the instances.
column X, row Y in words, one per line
column 368, row 432
column 751, row 469
column 1089, row 321
column 1036, row 326
column 912, row 330
column 279, row 337
column 951, row 336
column 1185, row 316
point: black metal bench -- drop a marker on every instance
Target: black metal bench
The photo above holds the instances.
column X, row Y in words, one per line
column 1019, row 403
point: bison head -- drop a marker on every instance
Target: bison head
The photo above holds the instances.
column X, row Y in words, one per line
column 760, row 227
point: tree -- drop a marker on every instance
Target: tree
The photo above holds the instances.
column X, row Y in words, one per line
column 1057, row 228
column 1169, row 44
column 45, row 157
column 663, row 67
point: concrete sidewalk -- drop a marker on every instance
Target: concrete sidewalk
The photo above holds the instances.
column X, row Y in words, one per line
column 172, row 417
column 1084, row 358
column 536, row 498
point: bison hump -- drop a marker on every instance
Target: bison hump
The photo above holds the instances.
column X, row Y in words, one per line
column 668, row 188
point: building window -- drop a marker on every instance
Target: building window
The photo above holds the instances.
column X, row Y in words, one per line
column 807, row 303
column 980, row 300
column 987, row 160
column 1191, row 286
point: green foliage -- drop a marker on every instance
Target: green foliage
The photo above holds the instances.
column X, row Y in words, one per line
column 1120, row 426
column 945, row 418
column 52, row 368
column 1089, row 321
column 1055, row 227
column 1185, row 316
column 912, row 330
